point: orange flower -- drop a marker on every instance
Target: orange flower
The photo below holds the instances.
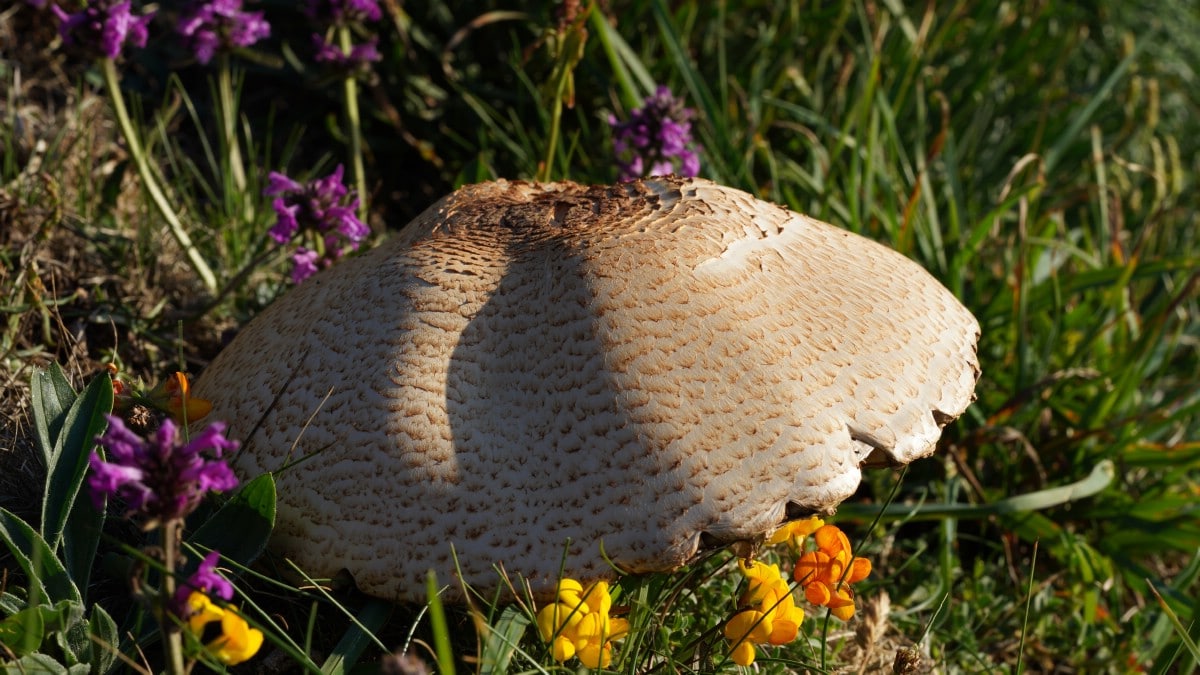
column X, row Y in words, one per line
column 827, row 573
column 177, row 401
column 172, row 396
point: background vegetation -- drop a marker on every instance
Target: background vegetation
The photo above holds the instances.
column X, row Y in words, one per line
column 1039, row 158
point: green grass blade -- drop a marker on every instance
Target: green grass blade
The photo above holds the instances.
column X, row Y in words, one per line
column 624, row 62
column 373, row 616
column 719, row 149
column 441, row 630
column 1180, row 629
column 1099, row 479
column 321, row 590
column 1081, row 117
column 1028, row 606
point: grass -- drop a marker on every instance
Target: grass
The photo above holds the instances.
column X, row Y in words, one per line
column 1037, row 158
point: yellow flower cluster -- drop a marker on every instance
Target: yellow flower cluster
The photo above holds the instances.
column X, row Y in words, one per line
column 795, row 532
column 577, row 624
column 827, row 572
column 237, row 641
column 768, row 612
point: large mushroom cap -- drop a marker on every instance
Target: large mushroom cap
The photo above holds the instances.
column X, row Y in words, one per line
column 632, row 371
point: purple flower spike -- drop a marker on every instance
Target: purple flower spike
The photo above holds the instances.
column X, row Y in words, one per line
column 659, row 136
column 221, row 25
column 323, row 206
column 161, row 478
column 104, row 27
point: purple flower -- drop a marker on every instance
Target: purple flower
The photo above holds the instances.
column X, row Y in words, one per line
column 342, row 12
column 104, row 27
column 304, row 264
column 204, row 580
column 659, row 136
column 359, row 58
column 221, row 25
column 160, row 478
column 278, row 184
column 323, row 206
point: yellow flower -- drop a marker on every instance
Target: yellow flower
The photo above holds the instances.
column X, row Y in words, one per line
column 769, row 614
column 237, row 641
column 203, row 612
column 578, row 624
column 794, row 533
column 743, row 653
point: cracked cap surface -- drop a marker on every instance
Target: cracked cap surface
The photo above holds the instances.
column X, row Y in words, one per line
column 626, row 368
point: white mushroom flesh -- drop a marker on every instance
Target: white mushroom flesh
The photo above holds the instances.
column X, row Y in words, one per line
column 531, row 371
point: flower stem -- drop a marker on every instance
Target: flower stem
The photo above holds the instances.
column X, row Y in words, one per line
column 546, row 170
column 148, row 180
column 350, row 94
column 233, row 150
column 172, row 636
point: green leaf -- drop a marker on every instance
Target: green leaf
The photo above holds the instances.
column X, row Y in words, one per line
column 65, row 622
column 46, row 665
column 83, row 421
column 104, row 639
column 503, row 639
column 358, row 637
column 10, row 604
column 52, row 396
column 78, row 522
column 240, row 528
column 46, row 574
column 23, row 632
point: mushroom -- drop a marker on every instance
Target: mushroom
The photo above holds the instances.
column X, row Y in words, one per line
column 549, row 378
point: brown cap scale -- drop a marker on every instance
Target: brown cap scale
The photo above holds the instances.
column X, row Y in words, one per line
column 640, row 370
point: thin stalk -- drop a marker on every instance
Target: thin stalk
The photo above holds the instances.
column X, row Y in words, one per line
column 1028, row 604
column 172, row 637
column 547, row 168
column 151, row 184
column 233, row 149
column 350, row 94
